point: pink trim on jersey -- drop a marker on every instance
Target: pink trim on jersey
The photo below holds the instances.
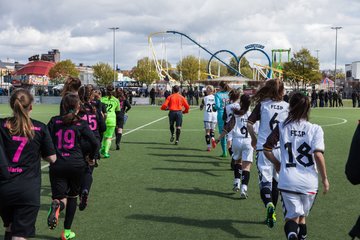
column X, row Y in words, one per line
column 58, row 121
column 312, row 193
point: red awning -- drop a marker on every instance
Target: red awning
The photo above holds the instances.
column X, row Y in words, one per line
column 39, row 68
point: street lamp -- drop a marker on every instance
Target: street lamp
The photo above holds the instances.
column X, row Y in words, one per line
column 114, row 29
column 336, row 30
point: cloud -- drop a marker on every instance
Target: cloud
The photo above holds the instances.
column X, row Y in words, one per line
column 79, row 29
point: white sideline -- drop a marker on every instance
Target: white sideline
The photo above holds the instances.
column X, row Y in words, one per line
column 135, row 129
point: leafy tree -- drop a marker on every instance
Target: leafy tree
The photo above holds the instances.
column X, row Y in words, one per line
column 189, row 68
column 103, row 74
column 61, row 70
column 145, row 71
column 245, row 68
column 303, row 68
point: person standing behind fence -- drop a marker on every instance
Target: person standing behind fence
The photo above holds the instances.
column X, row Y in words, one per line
column 25, row 141
column 221, row 100
column 177, row 105
column 152, row 96
column 354, row 98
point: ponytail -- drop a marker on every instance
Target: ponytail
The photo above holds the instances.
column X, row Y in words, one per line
column 71, row 104
column 244, row 105
column 20, row 123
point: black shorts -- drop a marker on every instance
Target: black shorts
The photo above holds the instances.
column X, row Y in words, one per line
column 22, row 219
column 65, row 180
column 120, row 120
column 175, row 116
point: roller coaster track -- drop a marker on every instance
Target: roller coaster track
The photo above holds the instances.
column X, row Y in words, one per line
column 163, row 72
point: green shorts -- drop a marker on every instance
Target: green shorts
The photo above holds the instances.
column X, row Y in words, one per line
column 109, row 131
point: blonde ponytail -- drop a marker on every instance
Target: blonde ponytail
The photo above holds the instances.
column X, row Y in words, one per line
column 20, row 124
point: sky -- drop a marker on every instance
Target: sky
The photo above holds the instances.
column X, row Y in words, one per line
column 80, row 29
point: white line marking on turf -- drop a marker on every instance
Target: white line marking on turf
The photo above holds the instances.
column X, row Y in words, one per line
column 343, row 121
column 135, row 129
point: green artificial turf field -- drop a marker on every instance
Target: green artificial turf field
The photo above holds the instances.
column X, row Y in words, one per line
column 152, row 189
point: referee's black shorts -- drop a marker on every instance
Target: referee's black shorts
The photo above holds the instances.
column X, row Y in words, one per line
column 175, row 116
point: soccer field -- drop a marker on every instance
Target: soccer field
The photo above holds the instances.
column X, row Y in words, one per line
column 152, row 189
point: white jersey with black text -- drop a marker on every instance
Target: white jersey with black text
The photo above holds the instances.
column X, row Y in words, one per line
column 272, row 113
column 298, row 142
column 210, row 114
column 230, row 110
column 240, row 129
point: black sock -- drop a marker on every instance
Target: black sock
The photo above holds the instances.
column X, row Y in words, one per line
column 275, row 192
column 245, row 177
column 290, row 228
column 302, row 232
column 212, row 134
column 62, row 205
column 230, row 151
column 237, row 171
column 8, row 236
column 178, row 131
column 265, row 194
column 87, row 179
column 207, row 138
column 118, row 138
column 70, row 212
column 172, row 130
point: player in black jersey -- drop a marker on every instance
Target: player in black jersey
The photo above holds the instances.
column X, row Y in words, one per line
column 121, row 116
column 89, row 113
column 68, row 132
column 26, row 141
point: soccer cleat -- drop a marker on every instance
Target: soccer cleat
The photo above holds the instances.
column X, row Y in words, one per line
column 67, row 236
column 213, row 142
column 224, row 155
column 243, row 194
column 208, row 149
column 176, row 142
column 102, row 151
column 83, row 199
column 117, row 147
column 106, row 155
column 172, row 138
column 53, row 215
column 293, row 237
column 270, row 215
column 236, row 187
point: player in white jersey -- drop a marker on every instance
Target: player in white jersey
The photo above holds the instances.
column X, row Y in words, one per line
column 270, row 110
column 302, row 148
column 241, row 147
column 210, row 115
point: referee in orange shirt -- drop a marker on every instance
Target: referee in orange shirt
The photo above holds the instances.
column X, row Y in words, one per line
column 177, row 105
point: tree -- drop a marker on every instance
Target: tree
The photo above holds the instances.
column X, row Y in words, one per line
column 303, row 68
column 103, row 74
column 61, row 70
column 189, row 68
column 145, row 71
column 245, row 68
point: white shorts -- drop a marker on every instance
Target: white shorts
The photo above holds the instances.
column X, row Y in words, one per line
column 296, row 205
column 209, row 125
column 266, row 169
column 242, row 149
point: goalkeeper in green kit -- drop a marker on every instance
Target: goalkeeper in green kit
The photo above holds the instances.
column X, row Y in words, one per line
column 112, row 109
